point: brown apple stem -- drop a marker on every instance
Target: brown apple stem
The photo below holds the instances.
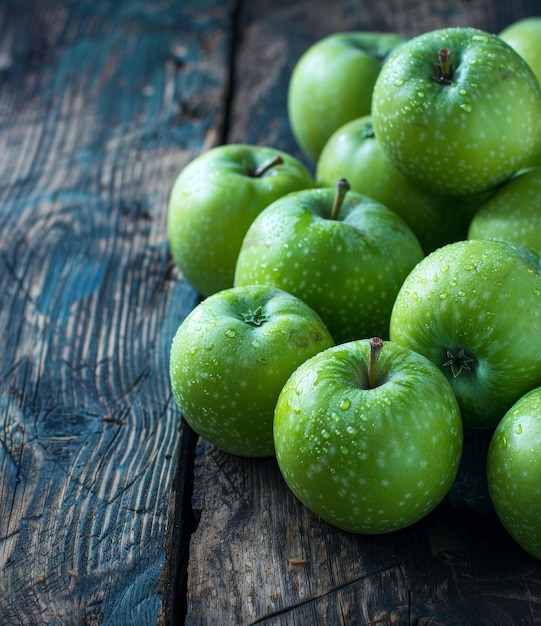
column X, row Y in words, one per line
column 376, row 344
column 342, row 187
column 445, row 67
column 266, row 165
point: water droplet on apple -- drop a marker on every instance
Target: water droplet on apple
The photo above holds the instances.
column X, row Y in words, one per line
column 444, row 269
column 518, row 429
column 230, row 333
column 461, row 293
column 325, row 434
column 255, row 343
column 465, row 107
column 351, row 430
column 398, row 83
column 345, row 404
column 443, row 296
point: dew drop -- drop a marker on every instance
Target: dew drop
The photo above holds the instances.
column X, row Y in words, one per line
column 344, row 405
column 398, row 83
column 465, row 107
column 351, row 430
column 230, row 333
column 518, row 429
column 443, row 296
column 325, row 434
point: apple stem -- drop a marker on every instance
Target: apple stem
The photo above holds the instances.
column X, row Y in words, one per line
column 376, row 344
column 342, row 187
column 266, row 165
column 444, row 68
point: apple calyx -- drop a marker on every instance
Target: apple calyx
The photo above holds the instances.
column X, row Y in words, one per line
column 444, row 69
column 367, row 131
column 376, row 344
column 459, row 362
column 266, row 166
column 342, row 187
column 256, row 317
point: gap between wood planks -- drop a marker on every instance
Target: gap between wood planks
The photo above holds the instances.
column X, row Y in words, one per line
column 183, row 522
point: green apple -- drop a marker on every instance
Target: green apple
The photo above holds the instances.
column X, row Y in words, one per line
column 474, row 309
column 344, row 254
column 525, row 37
column 368, row 435
column 213, row 201
column 457, row 110
column 230, row 358
column 354, row 152
column 332, row 84
column 514, row 471
column 513, row 213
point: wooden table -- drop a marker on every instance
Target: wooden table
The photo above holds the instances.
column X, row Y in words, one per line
column 111, row 511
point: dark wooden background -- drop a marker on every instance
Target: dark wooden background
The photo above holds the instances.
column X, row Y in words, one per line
column 111, row 511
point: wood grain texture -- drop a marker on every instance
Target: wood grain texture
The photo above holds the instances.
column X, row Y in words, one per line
column 101, row 105
column 257, row 555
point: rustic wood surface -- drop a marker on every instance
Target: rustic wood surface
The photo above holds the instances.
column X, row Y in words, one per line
column 111, row 511
column 101, row 105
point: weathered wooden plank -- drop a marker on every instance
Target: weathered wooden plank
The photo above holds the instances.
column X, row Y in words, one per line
column 259, row 557
column 101, row 105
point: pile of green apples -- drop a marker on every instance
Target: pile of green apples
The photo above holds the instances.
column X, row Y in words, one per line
column 358, row 315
